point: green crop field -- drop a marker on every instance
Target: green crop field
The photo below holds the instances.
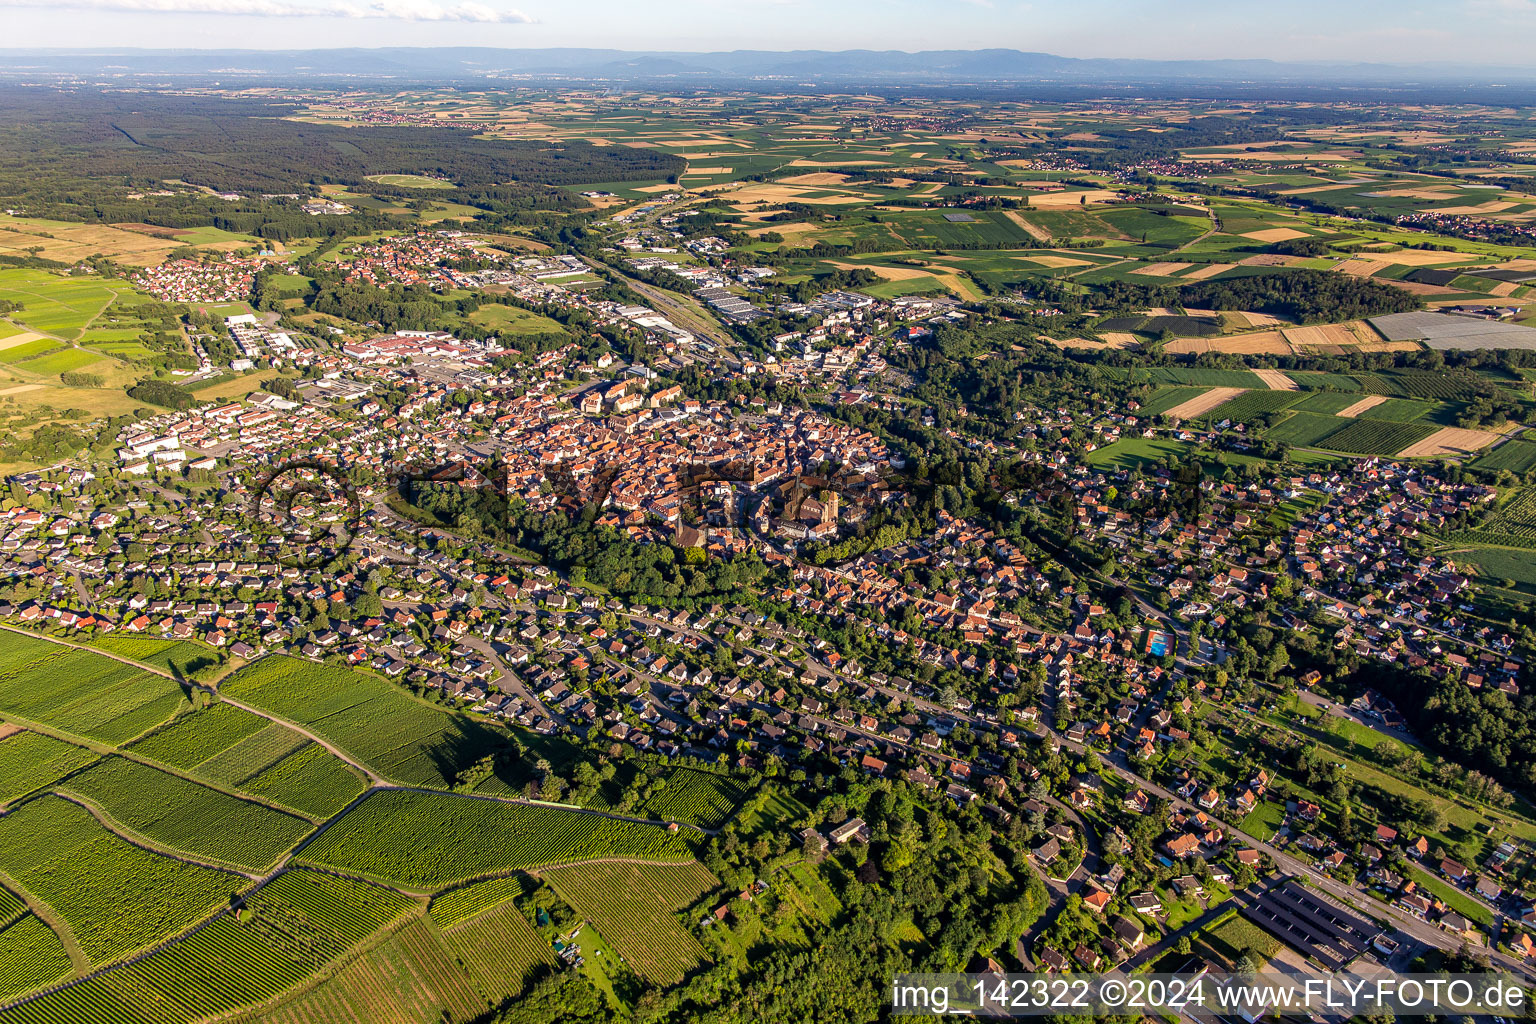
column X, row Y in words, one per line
column 1327, row 403
column 31, row 956
column 1375, row 437
column 459, row 905
column 427, row 841
column 312, row 780
column 185, row 816
column 1400, row 410
column 379, row 724
column 1170, row 397
column 175, row 656
column 195, row 737
column 114, row 896
column 287, row 931
column 29, row 760
column 1515, row 456
column 499, row 949
column 1304, row 428
column 57, row 305
column 81, row 693
column 700, row 797
column 635, row 907
column 1136, row 452
column 1251, row 404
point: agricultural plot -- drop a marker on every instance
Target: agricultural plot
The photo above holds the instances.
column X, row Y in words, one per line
column 500, row 950
column 401, row 737
column 1304, row 428
column 1376, row 437
column 635, row 908
column 1252, row 404
column 459, row 905
column 115, row 897
column 185, row 816
column 60, row 306
column 1326, row 403
column 29, row 760
column 287, row 932
column 1512, row 524
column 1401, row 410
column 702, row 798
column 84, row 694
column 409, row 976
column 311, row 780
column 193, row 738
column 1166, row 398
column 426, row 841
column 31, row 956
column 1515, row 456
column 174, row 656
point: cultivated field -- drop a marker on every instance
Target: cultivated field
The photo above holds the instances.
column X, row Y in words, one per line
column 1203, row 403
column 635, row 908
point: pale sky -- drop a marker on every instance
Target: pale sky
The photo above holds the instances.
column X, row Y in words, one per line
column 1475, row 32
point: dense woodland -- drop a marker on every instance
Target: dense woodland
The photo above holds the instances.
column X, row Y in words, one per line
column 76, row 155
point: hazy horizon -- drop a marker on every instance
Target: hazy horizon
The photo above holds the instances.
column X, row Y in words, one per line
column 1475, row 32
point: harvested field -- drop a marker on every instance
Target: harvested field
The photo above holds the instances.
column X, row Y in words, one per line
column 1120, row 339
column 1361, row 406
column 1034, row 231
column 1159, row 269
column 1360, row 267
column 1055, row 262
column 1209, row 270
column 1449, row 441
column 1321, row 336
column 1045, row 199
column 1420, row 288
column 1262, row 343
column 1257, row 319
column 1275, row 235
column 1201, row 404
column 819, row 178
column 25, row 337
column 1481, row 209
column 885, row 273
column 1270, row 259
column 1276, row 380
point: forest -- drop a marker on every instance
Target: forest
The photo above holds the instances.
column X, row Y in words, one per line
column 68, row 155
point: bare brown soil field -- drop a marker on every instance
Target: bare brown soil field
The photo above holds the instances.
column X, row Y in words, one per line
column 1055, row 262
column 9, row 729
column 1361, row 406
column 1159, row 269
column 1203, row 403
column 1449, row 441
